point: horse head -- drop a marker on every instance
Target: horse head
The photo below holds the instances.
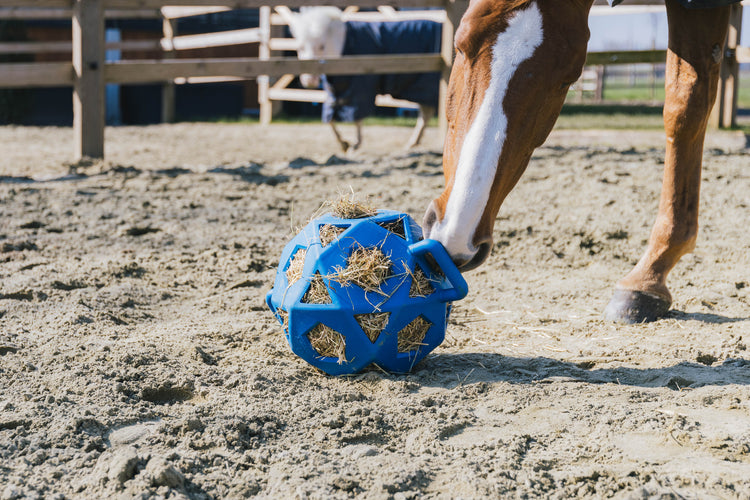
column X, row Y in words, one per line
column 515, row 60
column 320, row 33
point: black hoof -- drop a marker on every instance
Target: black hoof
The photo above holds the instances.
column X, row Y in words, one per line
column 635, row 307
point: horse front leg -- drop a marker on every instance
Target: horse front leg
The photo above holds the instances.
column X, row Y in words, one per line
column 358, row 128
column 342, row 143
column 346, row 147
column 425, row 115
column 696, row 41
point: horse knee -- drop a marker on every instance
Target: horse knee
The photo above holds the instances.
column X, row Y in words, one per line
column 691, row 92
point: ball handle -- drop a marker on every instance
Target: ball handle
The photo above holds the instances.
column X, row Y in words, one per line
column 459, row 288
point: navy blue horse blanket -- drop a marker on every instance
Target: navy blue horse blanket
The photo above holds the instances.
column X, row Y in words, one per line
column 694, row 4
column 352, row 97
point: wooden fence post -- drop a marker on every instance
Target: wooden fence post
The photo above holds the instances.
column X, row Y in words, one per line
column 454, row 9
column 264, row 53
column 88, row 85
column 730, row 70
column 169, row 29
column 600, row 77
column 268, row 31
column 724, row 112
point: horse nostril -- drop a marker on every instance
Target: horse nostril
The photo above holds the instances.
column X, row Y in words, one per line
column 430, row 218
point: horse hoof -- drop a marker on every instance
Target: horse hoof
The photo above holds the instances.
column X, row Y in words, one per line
column 633, row 307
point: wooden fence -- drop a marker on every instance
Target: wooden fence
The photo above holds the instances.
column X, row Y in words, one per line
column 89, row 72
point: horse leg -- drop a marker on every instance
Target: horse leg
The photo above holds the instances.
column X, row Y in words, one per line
column 342, row 143
column 358, row 128
column 696, row 42
column 345, row 146
column 425, row 114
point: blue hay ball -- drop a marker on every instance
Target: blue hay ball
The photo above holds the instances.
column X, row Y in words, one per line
column 341, row 323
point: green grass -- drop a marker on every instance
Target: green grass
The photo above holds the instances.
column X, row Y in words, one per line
column 396, row 121
column 610, row 116
column 573, row 116
column 743, row 93
column 636, row 93
column 643, row 93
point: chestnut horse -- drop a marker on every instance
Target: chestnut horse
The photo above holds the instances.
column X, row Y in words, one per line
column 515, row 60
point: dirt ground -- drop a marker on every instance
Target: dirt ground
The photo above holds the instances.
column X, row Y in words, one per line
column 138, row 359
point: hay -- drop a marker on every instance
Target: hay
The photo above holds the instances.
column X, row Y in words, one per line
column 348, row 207
column 372, row 324
column 283, row 317
column 328, row 342
column 367, row 268
column 296, row 265
column 421, row 285
column 395, row 227
column 329, row 232
column 413, row 334
column 318, row 291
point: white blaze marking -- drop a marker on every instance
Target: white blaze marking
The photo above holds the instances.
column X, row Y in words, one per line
column 483, row 143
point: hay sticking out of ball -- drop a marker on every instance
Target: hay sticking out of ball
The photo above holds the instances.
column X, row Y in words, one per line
column 329, row 232
column 421, row 285
column 367, row 268
column 348, row 207
column 283, row 317
column 412, row 335
column 328, row 342
column 296, row 265
column 318, row 291
column 372, row 324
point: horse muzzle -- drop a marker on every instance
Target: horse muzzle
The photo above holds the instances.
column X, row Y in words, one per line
column 467, row 264
column 467, row 255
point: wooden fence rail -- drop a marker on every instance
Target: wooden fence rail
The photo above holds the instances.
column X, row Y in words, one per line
column 88, row 72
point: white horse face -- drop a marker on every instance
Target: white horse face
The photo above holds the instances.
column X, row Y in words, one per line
column 320, row 34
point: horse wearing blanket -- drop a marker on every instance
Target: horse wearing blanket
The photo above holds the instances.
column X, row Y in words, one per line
column 321, row 32
column 515, row 61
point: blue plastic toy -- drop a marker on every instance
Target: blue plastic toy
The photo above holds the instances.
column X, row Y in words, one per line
column 341, row 324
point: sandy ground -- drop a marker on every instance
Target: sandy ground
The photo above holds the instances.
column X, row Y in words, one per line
column 138, row 359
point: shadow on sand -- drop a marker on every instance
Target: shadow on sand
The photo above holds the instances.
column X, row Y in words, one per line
column 10, row 179
column 717, row 319
column 247, row 173
column 488, row 367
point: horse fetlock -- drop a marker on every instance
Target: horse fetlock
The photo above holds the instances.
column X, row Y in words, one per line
column 656, row 288
column 649, row 276
column 671, row 243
